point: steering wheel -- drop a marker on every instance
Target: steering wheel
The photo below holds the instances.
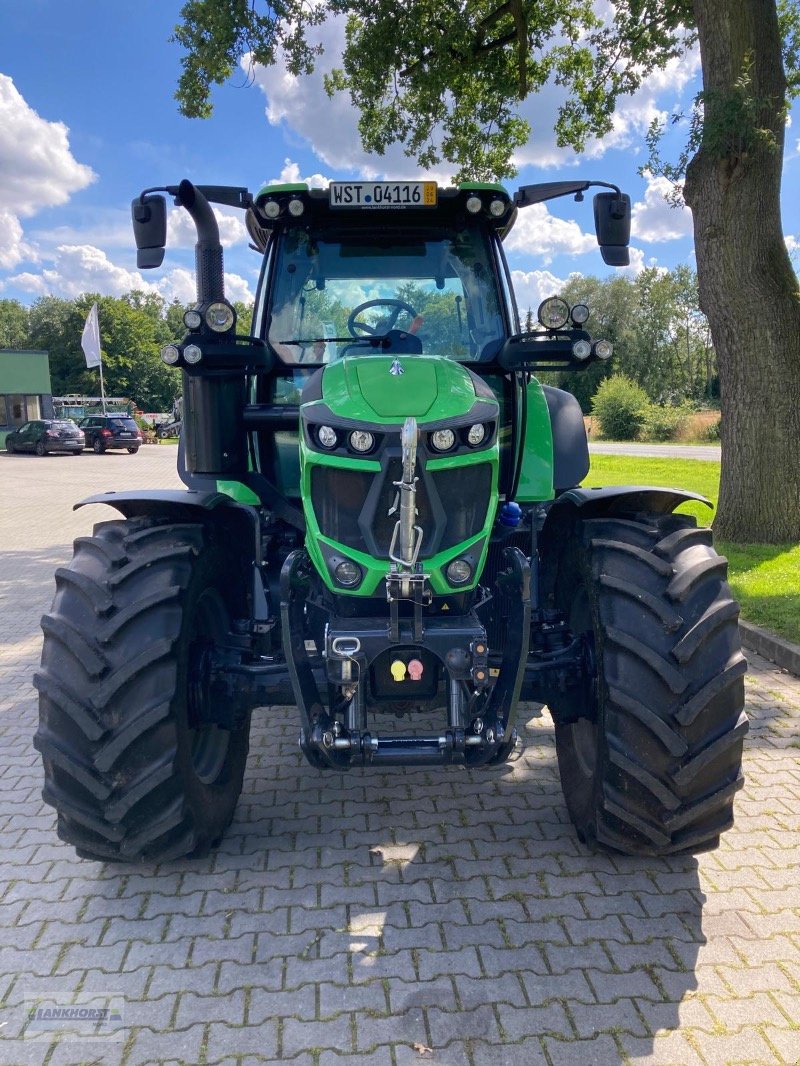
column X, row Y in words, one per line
column 362, row 329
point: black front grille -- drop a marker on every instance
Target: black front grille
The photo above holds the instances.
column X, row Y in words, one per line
column 338, row 497
column 451, row 506
column 464, row 495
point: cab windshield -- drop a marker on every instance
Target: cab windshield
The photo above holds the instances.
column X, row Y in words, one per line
column 390, row 292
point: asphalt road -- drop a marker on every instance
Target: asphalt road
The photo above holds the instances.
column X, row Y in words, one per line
column 667, row 451
column 382, row 918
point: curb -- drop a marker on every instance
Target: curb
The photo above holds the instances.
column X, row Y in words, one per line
column 779, row 651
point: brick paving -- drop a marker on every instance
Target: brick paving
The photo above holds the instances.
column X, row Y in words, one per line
column 385, row 918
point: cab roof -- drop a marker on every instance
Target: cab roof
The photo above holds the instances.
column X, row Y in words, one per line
column 275, row 206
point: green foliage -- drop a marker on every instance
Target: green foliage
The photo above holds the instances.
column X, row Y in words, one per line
column 661, row 338
column 13, row 324
column 444, row 79
column 133, row 329
column 663, row 423
column 620, row 406
column 712, row 431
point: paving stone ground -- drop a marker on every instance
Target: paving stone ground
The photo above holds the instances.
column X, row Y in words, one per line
column 364, row 918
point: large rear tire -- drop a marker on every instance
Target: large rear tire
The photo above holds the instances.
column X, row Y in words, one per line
column 129, row 766
column 654, row 768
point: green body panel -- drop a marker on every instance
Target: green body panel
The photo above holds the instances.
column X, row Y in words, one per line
column 536, row 476
column 361, row 388
column 239, row 492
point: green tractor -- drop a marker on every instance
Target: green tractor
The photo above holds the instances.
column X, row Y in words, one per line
column 383, row 524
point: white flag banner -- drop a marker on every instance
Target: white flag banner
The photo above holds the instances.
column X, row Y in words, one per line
column 90, row 338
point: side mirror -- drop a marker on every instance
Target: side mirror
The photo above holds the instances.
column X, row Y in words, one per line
column 149, row 217
column 612, row 223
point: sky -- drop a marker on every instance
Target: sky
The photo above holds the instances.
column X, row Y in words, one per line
column 88, row 119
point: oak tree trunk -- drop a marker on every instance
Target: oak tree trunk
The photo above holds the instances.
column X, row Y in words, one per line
column 747, row 286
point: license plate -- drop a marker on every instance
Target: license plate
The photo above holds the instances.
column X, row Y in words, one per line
column 383, row 194
column 123, row 434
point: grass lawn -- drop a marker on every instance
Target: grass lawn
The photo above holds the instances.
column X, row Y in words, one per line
column 765, row 578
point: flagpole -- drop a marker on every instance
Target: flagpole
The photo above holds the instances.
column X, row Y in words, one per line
column 90, row 342
column 102, row 388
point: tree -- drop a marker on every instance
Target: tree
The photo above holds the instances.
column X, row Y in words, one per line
column 445, row 79
column 13, row 324
column 132, row 330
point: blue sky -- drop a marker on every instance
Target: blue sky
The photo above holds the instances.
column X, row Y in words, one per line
column 88, row 119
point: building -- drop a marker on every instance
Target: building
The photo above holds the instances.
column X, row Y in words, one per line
column 25, row 390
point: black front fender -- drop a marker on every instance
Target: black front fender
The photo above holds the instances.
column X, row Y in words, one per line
column 581, row 503
column 239, row 523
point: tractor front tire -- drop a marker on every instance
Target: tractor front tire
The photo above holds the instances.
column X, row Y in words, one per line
column 654, row 766
column 131, row 766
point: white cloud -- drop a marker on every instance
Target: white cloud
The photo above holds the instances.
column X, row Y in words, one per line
column 329, row 124
column 290, row 175
column 537, row 232
column 37, row 170
column 654, row 219
column 13, row 248
column 533, row 286
column 658, row 95
column 181, row 231
column 81, row 268
column 792, row 244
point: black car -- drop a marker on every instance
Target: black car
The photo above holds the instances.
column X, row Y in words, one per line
column 111, row 431
column 45, row 435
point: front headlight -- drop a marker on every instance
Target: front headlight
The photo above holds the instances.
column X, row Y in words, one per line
column 361, row 440
column 476, row 434
column 327, row 437
column 220, row 316
column 553, row 313
column 458, row 572
column 442, row 440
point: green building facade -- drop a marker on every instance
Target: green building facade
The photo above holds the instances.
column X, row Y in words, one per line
column 25, row 390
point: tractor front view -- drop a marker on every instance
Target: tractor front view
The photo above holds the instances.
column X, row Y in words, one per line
column 383, row 522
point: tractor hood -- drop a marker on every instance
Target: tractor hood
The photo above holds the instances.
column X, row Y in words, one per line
column 388, row 389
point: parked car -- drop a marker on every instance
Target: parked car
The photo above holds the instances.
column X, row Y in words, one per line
column 45, row 435
column 111, row 431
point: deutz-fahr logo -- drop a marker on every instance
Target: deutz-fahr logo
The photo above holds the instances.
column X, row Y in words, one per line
column 396, row 368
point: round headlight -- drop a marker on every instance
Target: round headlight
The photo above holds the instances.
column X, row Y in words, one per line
column 475, row 434
column 474, row 204
column 327, row 437
column 580, row 313
column 192, row 354
column 458, row 572
column 296, row 208
column 170, row 353
column 442, row 440
column 581, row 350
column 347, row 574
column 497, row 208
column 220, row 316
column 553, row 313
column 271, row 208
column 361, row 440
column 192, row 319
column 603, row 349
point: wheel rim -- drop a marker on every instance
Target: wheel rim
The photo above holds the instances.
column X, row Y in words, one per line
column 209, row 743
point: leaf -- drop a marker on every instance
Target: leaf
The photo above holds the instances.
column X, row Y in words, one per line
column 421, row 1049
